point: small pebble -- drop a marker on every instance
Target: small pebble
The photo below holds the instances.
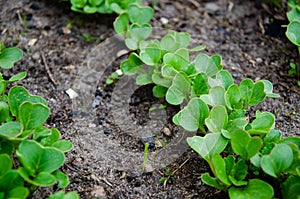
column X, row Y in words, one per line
column 32, row 42
column 97, row 101
column 150, row 140
column 119, row 72
column 108, row 131
column 166, row 131
column 164, row 20
column 72, row 94
column 259, row 60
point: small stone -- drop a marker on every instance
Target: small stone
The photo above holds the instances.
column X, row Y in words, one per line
column 211, row 7
column 98, row 192
column 259, row 60
column 32, row 42
column 108, row 131
column 148, row 168
column 164, row 20
column 150, row 140
column 66, row 30
column 119, row 72
column 97, row 101
column 158, row 144
column 72, row 94
column 166, row 131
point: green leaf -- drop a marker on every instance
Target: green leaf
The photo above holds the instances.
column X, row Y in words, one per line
column 207, row 179
column 220, row 169
column 95, row 3
column 4, row 112
column 292, row 32
column 269, row 89
column 253, row 94
column 169, row 44
column 159, row 91
column 279, row 160
column 89, row 9
column 5, row 165
column 151, row 55
column 273, row 136
column 18, row 192
column 63, row 195
column 121, row 24
column 79, row 3
column 198, row 48
column 217, row 119
column 9, row 56
column 62, row 178
column 17, row 95
column 206, row 64
column 215, row 97
column 132, row 65
column 33, row 115
column 208, row 145
column 179, row 89
column 140, row 14
column 6, row 147
column 238, row 173
column 256, row 188
column 63, row 145
column 178, row 62
column 136, row 33
column 50, row 139
column 200, row 85
column 245, row 145
column 143, row 79
column 36, row 159
column 290, row 188
column 193, row 115
column 223, row 78
column 10, row 180
column 262, row 124
column 10, row 130
column 17, row 77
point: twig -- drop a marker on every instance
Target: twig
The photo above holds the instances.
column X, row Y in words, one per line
column 175, row 171
column 21, row 19
column 48, row 70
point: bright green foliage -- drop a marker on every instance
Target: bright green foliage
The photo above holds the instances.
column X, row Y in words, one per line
column 38, row 150
column 63, row 195
column 101, row 6
column 215, row 105
column 293, row 32
column 8, row 56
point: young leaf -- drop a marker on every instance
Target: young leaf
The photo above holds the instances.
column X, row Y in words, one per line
column 143, row 79
column 33, row 115
column 63, row 145
column 131, row 65
column 179, row 89
column 245, row 145
column 217, row 119
column 199, row 84
column 193, row 115
column 17, row 95
column 17, row 77
column 215, row 97
column 18, row 192
column 168, row 43
column 63, row 195
column 292, row 32
column 262, row 124
column 10, row 130
column 4, row 112
column 36, row 159
column 159, row 91
column 62, row 178
column 220, row 169
column 238, row 173
column 207, row 179
column 279, row 160
column 159, row 80
column 206, row 64
column 223, row 78
column 9, row 56
column 121, row 24
column 151, row 55
column 137, row 33
column 256, row 188
column 208, row 145
column 290, row 188
column 233, row 97
column 140, row 14
column 5, row 165
column 79, row 3
column 269, row 89
column 178, row 62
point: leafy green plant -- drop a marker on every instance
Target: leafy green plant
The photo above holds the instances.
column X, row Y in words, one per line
column 30, row 153
column 293, row 32
column 252, row 150
column 101, row 6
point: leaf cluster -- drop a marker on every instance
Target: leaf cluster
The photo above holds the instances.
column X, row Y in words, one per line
column 216, row 106
column 30, row 153
column 293, row 30
column 101, row 6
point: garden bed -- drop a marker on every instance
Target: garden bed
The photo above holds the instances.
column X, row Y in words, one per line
column 59, row 47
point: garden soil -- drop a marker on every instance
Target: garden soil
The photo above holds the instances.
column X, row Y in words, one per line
column 109, row 125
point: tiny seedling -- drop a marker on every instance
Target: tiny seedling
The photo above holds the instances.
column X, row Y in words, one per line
column 146, row 150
